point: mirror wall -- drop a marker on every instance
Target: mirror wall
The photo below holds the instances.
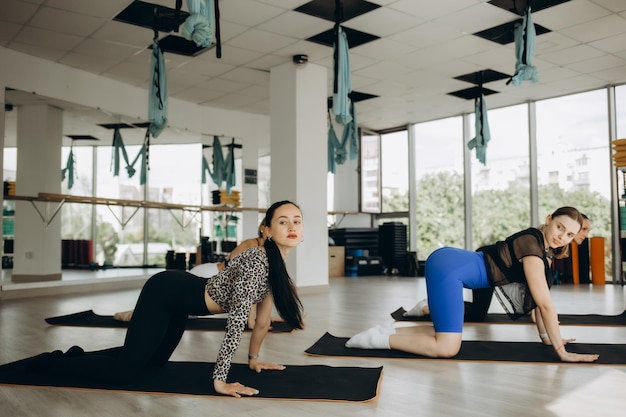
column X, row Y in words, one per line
column 124, row 236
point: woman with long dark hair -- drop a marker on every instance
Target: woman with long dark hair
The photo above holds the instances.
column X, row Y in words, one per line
column 518, row 271
column 257, row 276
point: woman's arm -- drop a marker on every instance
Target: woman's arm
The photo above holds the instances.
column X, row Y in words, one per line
column 541, row 328
column 261, row 327
column 547, row 315
column 245, row 245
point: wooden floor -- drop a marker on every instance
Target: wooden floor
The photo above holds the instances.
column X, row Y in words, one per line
column 419, row 388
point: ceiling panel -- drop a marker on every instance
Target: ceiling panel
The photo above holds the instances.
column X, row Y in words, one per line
column 423, row 45
column 296, row 25
column 104, row 9
column 44, row 38
column 16, row 11
column 248, row 12
column 604, row 27
column 64, row 21
column 569, row 14
column 261, row 41
column 430, row 10
column 383, row 22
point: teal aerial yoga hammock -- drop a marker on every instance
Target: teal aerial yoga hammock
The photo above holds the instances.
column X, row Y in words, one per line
column 223, row 168
column 525, row 35
column 218, row 164
column 205, row 168
column 333, row 143
column 157, row 98
column 143, row 152
column 343, row 84
column 69, row 169
column 199, row 26
column 229, row 168
column 351, row 134
column 118, row 146
column 342, row 106
column 483, row 135
column 336, row 149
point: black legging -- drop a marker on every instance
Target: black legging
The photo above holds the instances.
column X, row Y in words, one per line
column 156, row 327
column 476, row 311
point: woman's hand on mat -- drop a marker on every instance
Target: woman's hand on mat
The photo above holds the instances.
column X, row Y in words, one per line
column 262, row 366
column 234, row 389
column 566, row 356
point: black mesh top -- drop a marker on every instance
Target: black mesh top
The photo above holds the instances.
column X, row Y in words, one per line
column 503, row 262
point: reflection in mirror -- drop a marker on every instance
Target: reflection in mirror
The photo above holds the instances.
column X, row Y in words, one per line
column 120, row 235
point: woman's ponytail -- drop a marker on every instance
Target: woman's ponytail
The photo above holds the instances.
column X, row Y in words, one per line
column 283, row 289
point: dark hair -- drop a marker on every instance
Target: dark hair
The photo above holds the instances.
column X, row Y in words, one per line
column 283, row 289
column 572, row 213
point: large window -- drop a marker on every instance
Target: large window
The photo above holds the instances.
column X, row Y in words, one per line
column 263, row 181
column 120, row 229
column 395, row 171
column 573, row 155
column 82, row 164
column 76, row 218
column 370, row 173
column 500, row 188
column 10, row 164
column 174, row 177
column 439, row 182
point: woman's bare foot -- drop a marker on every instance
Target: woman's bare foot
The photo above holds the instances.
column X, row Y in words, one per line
column 123, row 315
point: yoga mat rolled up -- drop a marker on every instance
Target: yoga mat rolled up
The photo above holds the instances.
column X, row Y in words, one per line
column 597, row 260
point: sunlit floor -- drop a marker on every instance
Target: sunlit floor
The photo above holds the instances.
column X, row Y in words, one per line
column 420, row 388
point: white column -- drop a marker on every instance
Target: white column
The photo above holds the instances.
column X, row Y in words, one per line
column 250, row 192
column 298, row 143
column 37, row 254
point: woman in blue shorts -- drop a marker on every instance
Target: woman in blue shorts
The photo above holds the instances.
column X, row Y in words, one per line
column 518, row 271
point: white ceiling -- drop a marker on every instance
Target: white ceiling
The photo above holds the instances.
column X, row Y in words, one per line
column 423, row 45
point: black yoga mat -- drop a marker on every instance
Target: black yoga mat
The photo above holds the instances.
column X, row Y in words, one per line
column 564, row 319
column 313, row 382
column 90, row 319
column 615, row 354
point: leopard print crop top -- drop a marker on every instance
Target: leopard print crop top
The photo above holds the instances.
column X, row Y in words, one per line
column 243, row 283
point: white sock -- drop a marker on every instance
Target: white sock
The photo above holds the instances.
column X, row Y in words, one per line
column 418, row 310
column 369, row 339
column 386, row 329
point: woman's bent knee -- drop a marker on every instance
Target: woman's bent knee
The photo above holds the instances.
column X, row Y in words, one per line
column 447, row 351
column 448, row 345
